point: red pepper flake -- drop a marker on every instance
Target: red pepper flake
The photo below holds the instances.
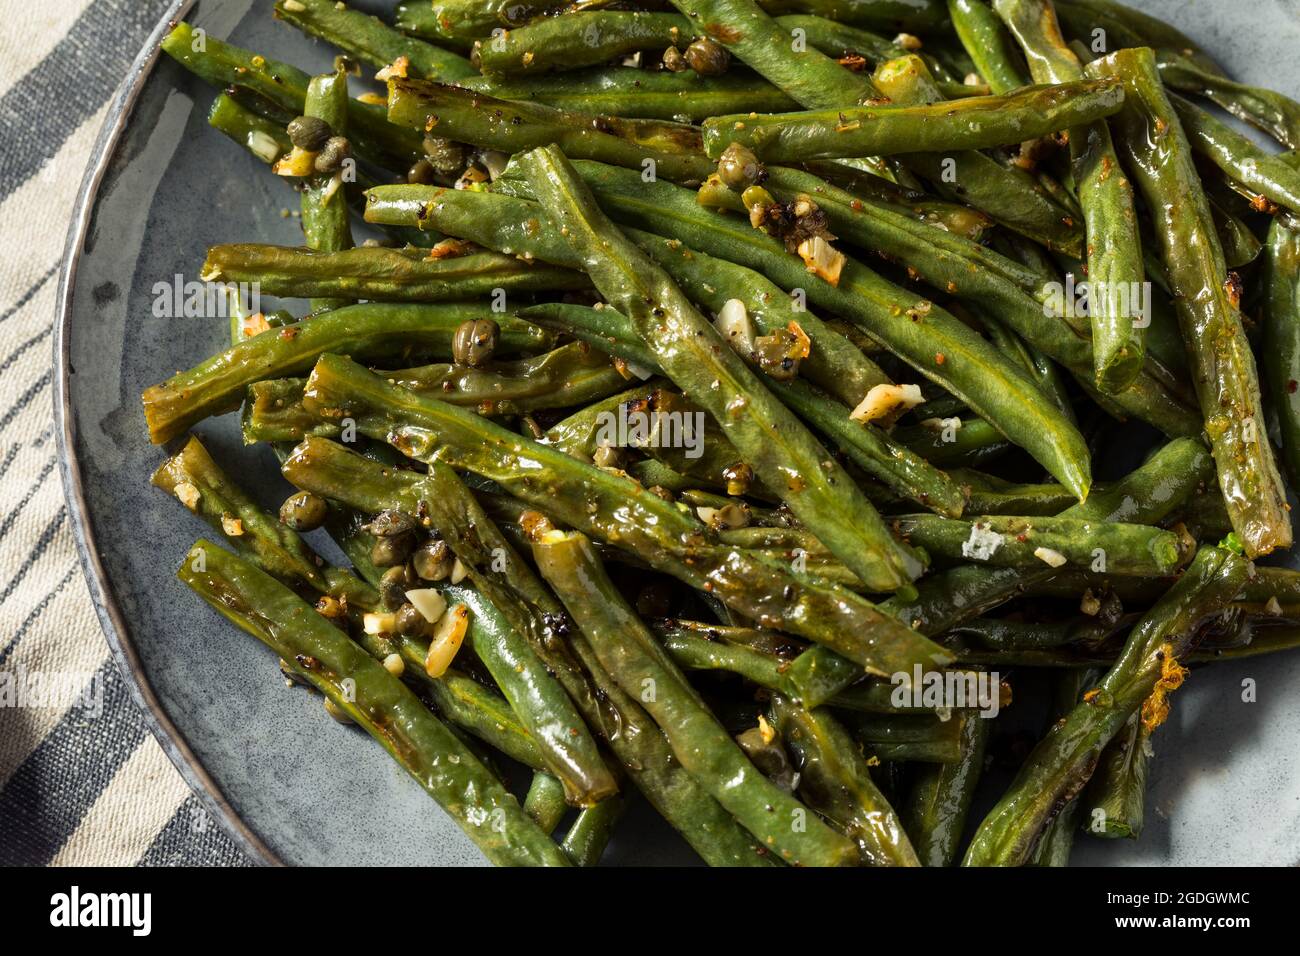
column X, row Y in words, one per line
column 940, row 358
column 288, row 332
column 1291, row 386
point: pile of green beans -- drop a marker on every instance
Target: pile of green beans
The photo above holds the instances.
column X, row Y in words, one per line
column 715, row 424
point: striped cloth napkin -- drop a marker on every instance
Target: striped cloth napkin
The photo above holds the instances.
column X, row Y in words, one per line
column 82, row 782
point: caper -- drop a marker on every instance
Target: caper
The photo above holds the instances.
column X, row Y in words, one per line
column 707, row 58
column 304, row 511
column 393, row 586
column 433, row 560
column 391, row 523
column 739, row 168
column 475, row 341
column 445, row 156
column 674, row 61
column 309, row 132
column 420, row 174
column 779, row 354
column 392, row 551
column 332, row 154
column 410, row 622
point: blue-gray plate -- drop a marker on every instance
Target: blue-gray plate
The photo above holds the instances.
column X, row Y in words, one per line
column 294, row 787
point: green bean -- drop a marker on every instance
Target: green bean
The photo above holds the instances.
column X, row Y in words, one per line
column 285, row 87
column 465, row 20
column 374, row 699
column 808, row 76
column 1038, row 367
column 988, row 44
column 1002, row 634
column 370, row 40
column 544, row 802
column 617, row 510
column 927, row 337
column 939, row 801
column 1239, row 158
column 1114, row 251
column 469, row 705
column 672, row 150
column 958, row 443
column 1011, row 196
column 835, row 778
column 264, row 139
column 944, row 600
column 1057, row 841
column 871, row 189
column 1146, row 671
column 912, row 15
column 326, row 223
column 988, row 495
column 1159, row 158
column 703, row 746
column 693, row 652
column 1281, row 352
column 1114, row 802
column 376, row 331
column 909, row 738
column 1027, row 542
column 1274, row 113
column 579, row 39
column 784, row 456
column 979, row 122
column 382, row 275
column 646, row 94
column 587, row 838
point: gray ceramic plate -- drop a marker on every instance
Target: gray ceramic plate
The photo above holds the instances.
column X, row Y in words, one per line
column 296, row 788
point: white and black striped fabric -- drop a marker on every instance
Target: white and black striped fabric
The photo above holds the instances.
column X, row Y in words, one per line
column 82, row 782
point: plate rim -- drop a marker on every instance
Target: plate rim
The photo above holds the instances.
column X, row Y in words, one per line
column 111, row 619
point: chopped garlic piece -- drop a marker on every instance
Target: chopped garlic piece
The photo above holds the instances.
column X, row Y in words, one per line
column 397, row 68
column 379, row 623
column 982, row 544
column 459, row 572
column 234, row 527
column 882, row 400
column 822, row 259
column 1050, row 556
column 187, row 494
column 394, row 664
column 446, row 640
column 735, row 325
column 766, row 730
column 430, row 603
